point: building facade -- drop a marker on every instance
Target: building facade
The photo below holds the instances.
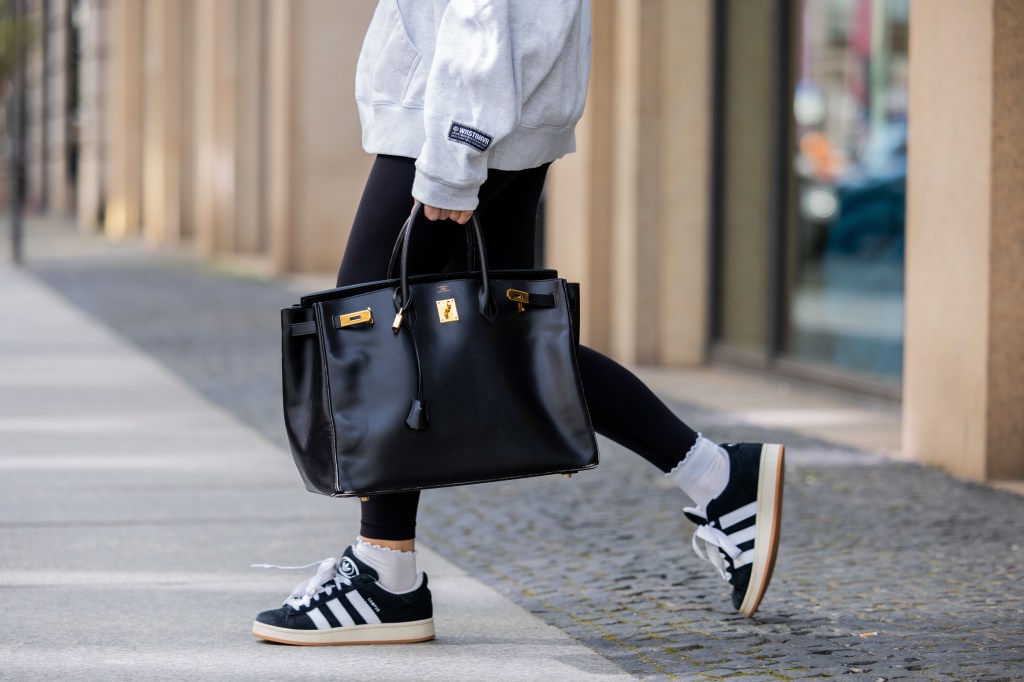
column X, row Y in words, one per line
column 823, row 189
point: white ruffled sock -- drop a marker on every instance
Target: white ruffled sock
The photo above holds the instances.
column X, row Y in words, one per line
column 396, row 570
column 703, row 472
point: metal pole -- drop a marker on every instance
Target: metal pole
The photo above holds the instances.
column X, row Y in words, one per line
column 18, row 141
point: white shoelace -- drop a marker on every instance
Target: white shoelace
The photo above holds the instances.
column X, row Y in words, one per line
column 325, row 581
column 709, row 543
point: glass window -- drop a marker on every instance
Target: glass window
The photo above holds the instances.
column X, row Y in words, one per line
column 845, row 304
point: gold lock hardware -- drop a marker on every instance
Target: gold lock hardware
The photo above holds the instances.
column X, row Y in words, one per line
column 352, row 319
column 364, row 499
column 567, row 475
column 447, row 311
column 519, row 298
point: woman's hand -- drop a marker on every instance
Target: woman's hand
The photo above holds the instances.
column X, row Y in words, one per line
column 434, row 213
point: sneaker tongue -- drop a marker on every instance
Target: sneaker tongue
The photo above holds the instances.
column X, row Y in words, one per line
column 696, row 515
column 350, row 566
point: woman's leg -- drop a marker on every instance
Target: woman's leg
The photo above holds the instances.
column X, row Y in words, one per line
column 390, row 520
column 621, row 406
column 387, row 520
column 736, row 489
column 383, row 209
column 626, row 411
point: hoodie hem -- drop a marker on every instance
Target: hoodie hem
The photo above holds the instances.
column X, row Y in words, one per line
column 399, row 131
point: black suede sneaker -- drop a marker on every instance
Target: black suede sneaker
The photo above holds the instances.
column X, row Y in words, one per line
column 344, row 604
column 739, row 531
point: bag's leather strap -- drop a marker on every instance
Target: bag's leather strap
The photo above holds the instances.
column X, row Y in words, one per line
column 303, row 328
column 572, row 290
column 525, row 298
column 417, row 418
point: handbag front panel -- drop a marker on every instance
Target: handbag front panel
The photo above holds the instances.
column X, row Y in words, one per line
column 503, row 396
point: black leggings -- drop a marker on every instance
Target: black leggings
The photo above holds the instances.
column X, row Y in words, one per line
column 621, row 406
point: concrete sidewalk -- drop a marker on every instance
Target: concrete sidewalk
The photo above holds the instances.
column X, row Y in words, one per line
column 130, row 561
column 131, row 508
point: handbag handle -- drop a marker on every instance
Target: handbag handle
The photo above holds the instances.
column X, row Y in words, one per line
column 396, row 250
column 418, row 419
column 487, row 307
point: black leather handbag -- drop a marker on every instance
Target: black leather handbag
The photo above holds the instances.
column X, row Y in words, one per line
column 435, row 380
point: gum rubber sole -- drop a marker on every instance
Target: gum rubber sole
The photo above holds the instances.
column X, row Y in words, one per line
column 769, row 523
column 384, row 633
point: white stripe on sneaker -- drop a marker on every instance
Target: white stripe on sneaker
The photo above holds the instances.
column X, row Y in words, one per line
column 743, row 559
column 737, row 515
column 364, row 609
column 318, row 619
column 340, row 613
column 745, row 535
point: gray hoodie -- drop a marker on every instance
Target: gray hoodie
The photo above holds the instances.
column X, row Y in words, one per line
column 467, row 85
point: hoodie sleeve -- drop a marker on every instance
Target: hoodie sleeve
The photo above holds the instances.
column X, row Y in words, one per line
column 472, row 100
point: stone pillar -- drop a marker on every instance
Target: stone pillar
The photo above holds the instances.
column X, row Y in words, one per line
column 226, row 149
column 317, row 166
column 628, row 214
column 59, row 197
column 225, row 120
column 578, row 193
column 627, row 204
column 250, row 152
column 206, row 182
column 215, row 101
column 93, row 112
column 162, row 115
column 186, row 111
column 280, row 123
column 683, row 182
column 964, row 354
column 124, row 169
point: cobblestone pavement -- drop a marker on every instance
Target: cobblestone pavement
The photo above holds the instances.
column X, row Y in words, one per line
column 887, row 570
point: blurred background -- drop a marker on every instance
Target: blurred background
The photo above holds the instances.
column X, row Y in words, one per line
column 739, row 196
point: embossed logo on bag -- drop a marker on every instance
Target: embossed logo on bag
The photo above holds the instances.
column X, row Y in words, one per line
column 477, row 139
column 446, row 310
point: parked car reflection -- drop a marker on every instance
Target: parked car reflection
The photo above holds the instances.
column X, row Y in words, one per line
column 849, row 307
